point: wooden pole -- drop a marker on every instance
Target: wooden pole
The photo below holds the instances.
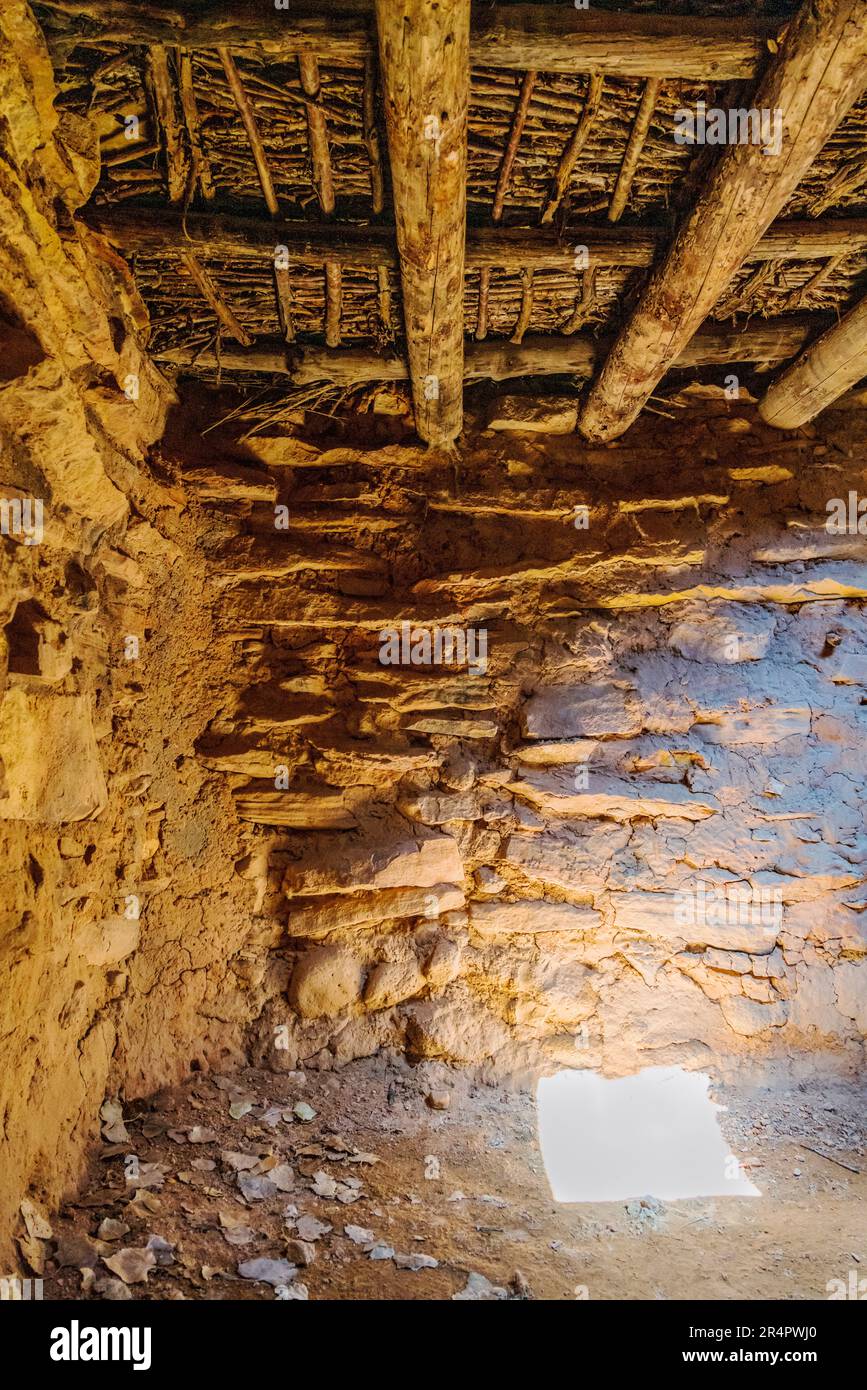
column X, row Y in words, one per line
column 156, row 230
column 553, row 37
column 518, row 122
column 811, row 83
column 821, row 374
column 770, row 340
column 242, row 101
column 425, row 73
column 634, row 146
column 201, row 165
column 371, row 135
column 161, row 91
column 574, row 145
column 213, row 296
column 320, row 159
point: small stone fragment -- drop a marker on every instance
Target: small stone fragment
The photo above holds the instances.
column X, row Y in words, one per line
column 381, row 1251
column 198, row 1135
column 478, row 1289
column 163, row 1250
column 311, row 1228
column 254, row 1187
column 359, row 1235
column 239, row 1161
column 416, row 1261
column 132, row 1265
column 268, row 1271
column 283, row 1177
column 110, row 1229
column 301, row 1252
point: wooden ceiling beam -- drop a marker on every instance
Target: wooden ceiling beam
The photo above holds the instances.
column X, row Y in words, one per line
column 771, row 340
column 153, row 231
column 549, row 38
column 425, row 75
column 812, row 82
column 821, row 375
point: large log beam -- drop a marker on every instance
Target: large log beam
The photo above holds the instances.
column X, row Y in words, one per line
column 774, row 340
column 153, row 231
column 425, row 73
column 563, row 38
column 550, row 38
column 821, row 374
column 812, row 82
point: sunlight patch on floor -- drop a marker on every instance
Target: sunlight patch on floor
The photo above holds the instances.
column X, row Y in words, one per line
column 653, row 1134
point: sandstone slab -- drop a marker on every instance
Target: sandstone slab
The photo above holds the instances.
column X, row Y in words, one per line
column 342, row 912
column 578, row 711
column 531, row 917
column 368, row 863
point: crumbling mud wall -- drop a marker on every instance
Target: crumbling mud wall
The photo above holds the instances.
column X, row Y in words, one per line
column 121, row 915
column 629, row 828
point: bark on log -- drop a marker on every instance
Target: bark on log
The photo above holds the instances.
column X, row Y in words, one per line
column 551, row 38
column 774, row 340
column 161, row 91
column 425, row 73
column 821, row 374
column 154, row 230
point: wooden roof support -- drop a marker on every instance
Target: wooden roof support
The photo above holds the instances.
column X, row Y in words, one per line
column 282, row 284
column 821, row 374
column 383, row 294
column 526, row 311
column 634, row 146
column 161, row 93
column 285, row 305
column 818, row 73
column 798, row 298
column 333, row 303
column 323, row 181
column 553, row 37
column 242, row 101
column 212, row 294
column 772, row 340
column 201, row 168
column 153, row 231
column 518, row 122
column 425, row 73
column 585, row 302
column 574, row 145
column 482, row 305
column 851, row 177
column 371, row 135
column 317, row 133
column 563, row 38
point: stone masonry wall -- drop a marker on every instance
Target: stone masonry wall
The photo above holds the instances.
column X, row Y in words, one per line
column 123, row 923
column 637, row 835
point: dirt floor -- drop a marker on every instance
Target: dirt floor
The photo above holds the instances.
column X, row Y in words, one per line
column 366, row 1177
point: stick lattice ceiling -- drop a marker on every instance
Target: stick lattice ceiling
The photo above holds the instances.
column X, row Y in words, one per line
column 442, row 193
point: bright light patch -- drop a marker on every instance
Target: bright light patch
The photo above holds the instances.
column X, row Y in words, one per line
column 654, row 1134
